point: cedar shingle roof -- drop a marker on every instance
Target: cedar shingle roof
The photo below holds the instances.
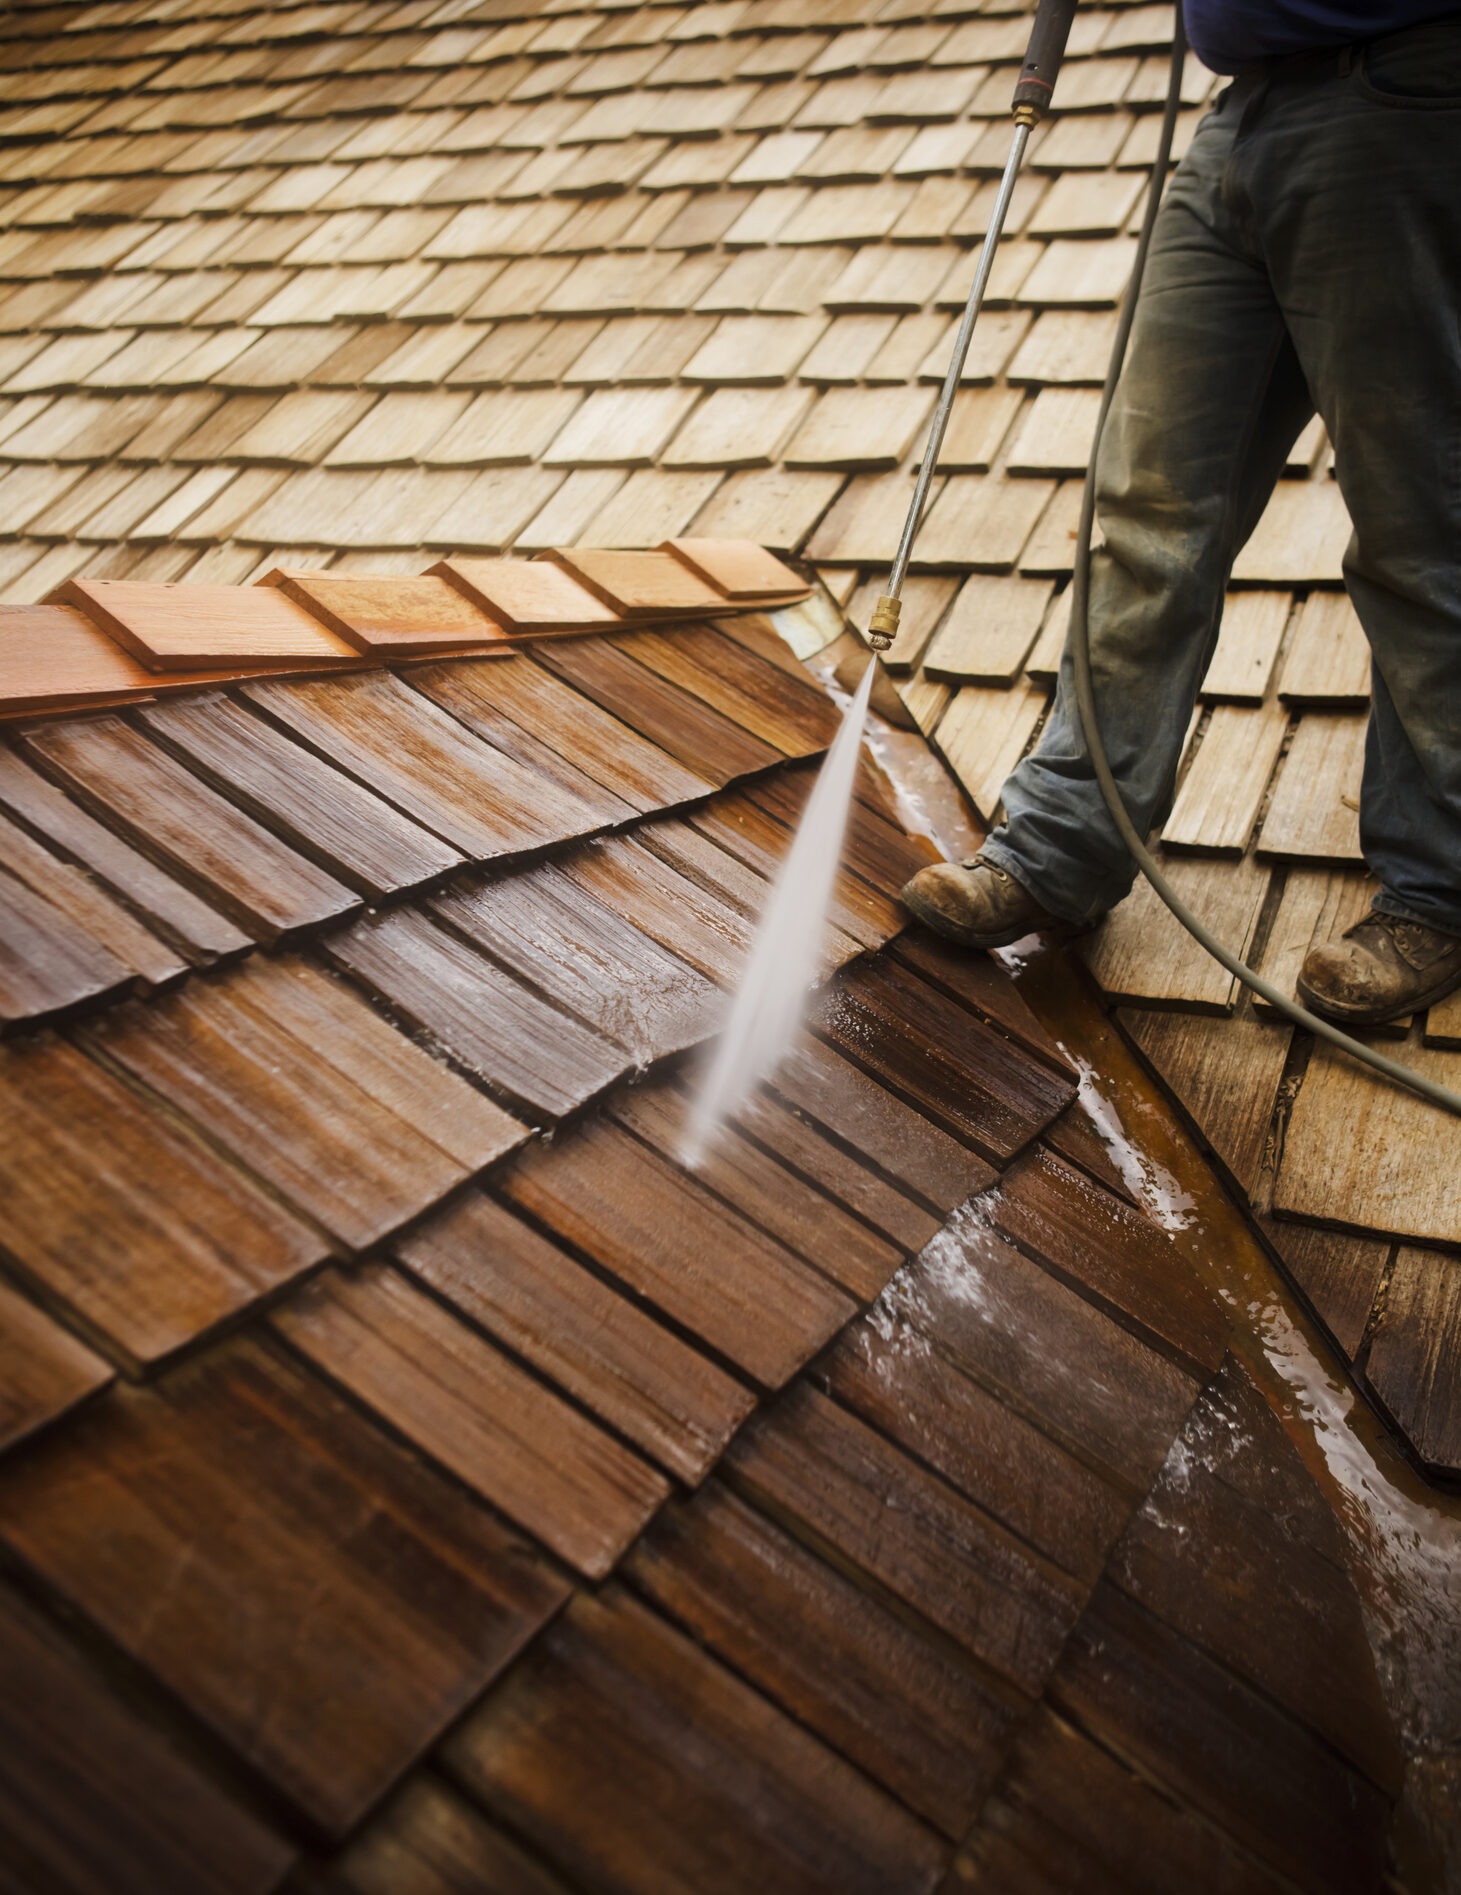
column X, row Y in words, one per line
column 413, row 1478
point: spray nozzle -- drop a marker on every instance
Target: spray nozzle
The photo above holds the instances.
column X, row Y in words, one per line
column 883, row 625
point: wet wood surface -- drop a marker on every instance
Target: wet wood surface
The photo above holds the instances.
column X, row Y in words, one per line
column 764, row 1191
column 879, row 1127
column 1106, row 1247
column 95, row 1799
column 325, row 814
column 408, row 750
column 1221, row 1748
column 966, row 1078
column 638, row 1758
column 79, row 1157
column 44, row 1369
column 922, row 1399
column 1068, row 1814
column 681, row 914
column 532, row 715
column 262, row 884
column 49, row 965
column 793, row 716
column 655, row 1228
column 171, row 910
column 589, row 960
column 890, row 1694
column 428, row 1840
column 814, row 1463
column 1339, row 1274
column 1412, row 1357
column 470, row 1407
column 88, row 907
column 981, row 983
column 689, row 730
column 1234, row 1566
column 300, row 1079
column 382, row 1598
column 489, row 1022
column 570, row 1326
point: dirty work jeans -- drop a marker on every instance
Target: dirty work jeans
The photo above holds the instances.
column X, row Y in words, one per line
column 1308, row 255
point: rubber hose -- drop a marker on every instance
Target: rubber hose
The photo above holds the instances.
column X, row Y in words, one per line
column 1080, row 647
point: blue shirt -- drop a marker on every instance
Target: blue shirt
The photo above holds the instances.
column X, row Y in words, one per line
column 1227, row 34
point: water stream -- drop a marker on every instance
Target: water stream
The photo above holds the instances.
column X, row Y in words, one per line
column 787, row 950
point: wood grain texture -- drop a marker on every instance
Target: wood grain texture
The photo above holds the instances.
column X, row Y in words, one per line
column 785, row 1206
column 411, row 752
column 981, row 983
column 672, row 1242
column 882, row 1129
column 169, row 909
column 945, row 1059
column 793, row 715
column 626, row 1752
column 95, row 1800
column 313, row 1091
column 989, row 630
column 545, row 724
column 88, row 907
column 429, row 1841
column 326, row 814
column 1327, row 666
column 677, row 721
column 44, row 1369
column 1225, row 1073
column 1102, row 1246
column 951, row 1422
column 647, row 584
column 203, row 838
column 591, row 962
column 1220, row 1747
column 902, row 1704
column 1339, row 1274
column 1314, row 813
column 525, row 595
column 490, row 1023
column 814, row 1463
column 468, row 1406
column 1411, row 1364
column 699, row 926
column 80, row 1158
column 1367, row 1155
column 48, row 964
column 390, row 615
column 1252, row 628
column 382, row 1599
column 570, row 1326
column 740, row 569
column 1143, row 954
column 53, row 658
column 1231, row 1562
column 1224, row 787
column 181, row 627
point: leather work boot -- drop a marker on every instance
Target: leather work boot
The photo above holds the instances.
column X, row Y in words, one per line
column 1381, row 969
column 979, row 904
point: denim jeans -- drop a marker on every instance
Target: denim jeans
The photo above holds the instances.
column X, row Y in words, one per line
column 1308, row 254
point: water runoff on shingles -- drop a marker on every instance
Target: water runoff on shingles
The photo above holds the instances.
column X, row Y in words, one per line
column 782, row 967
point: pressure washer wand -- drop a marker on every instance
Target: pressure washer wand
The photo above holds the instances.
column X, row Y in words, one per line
column 1032, row 95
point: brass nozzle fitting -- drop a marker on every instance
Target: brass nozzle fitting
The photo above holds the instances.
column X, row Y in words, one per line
column 883, row 626
column 1027, row 115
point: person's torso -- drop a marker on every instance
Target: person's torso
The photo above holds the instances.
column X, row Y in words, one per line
column 1227, row 35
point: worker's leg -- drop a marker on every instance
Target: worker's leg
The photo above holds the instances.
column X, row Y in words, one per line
column 1209, row 404
column 1363, row 180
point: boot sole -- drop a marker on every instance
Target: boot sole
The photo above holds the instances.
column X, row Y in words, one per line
column 1364, row 1016
column 934, row 918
